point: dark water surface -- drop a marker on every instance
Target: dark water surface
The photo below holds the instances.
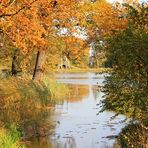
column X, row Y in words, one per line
column 78, row 124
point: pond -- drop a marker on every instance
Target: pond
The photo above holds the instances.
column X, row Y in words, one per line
column 78, row 124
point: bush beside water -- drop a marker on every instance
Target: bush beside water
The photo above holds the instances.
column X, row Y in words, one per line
column 134, row 135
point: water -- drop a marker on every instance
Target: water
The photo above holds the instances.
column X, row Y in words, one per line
column 78, row 124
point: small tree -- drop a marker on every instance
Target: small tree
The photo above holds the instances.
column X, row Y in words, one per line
column 127, row 87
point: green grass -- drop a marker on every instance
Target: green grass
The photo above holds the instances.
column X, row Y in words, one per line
column 10, row 138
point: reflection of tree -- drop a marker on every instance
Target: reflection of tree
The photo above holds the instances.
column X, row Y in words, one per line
column 77, row 93
column 70, row 143
column 96, row 92
column 41, row 142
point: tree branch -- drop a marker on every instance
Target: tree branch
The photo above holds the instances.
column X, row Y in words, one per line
column 15, row 13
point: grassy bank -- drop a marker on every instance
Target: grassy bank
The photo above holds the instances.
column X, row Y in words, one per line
column 10, row 138
column 97, row 70
column 28, row 104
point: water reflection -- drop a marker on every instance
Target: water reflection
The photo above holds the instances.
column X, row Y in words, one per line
column 80, row 78
column 42, row 142
column 77, row 93
column 77, row 122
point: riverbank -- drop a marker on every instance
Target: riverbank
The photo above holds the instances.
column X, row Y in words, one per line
column 10, row 138
column 75, row 70
column 27, row 105
column 133, row 135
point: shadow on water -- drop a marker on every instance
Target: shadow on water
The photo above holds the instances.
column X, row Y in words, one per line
column 77, row 122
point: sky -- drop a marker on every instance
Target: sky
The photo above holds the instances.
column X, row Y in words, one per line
column 112, row 1
column 120, row 1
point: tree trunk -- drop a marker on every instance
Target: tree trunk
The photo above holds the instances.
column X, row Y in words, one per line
column 15, row 68
column 38, row 65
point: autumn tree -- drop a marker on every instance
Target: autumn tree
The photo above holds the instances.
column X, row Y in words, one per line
column 19, row 23
column 101, row 20
column 30, row 23
column 76, row 51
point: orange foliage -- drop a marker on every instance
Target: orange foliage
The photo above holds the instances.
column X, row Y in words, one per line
column 76, row 48
column 108, row 18
column 102, row 18
column 28, row 23
column 31, row 23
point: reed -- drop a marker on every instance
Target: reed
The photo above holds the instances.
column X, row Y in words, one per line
column 10, row 139
column 28, row 103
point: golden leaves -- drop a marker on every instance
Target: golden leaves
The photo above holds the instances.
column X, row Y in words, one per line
column 29, row 22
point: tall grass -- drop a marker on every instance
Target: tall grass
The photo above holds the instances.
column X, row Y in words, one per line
column 10, row 139
column 26, row 103
column 58, row 92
